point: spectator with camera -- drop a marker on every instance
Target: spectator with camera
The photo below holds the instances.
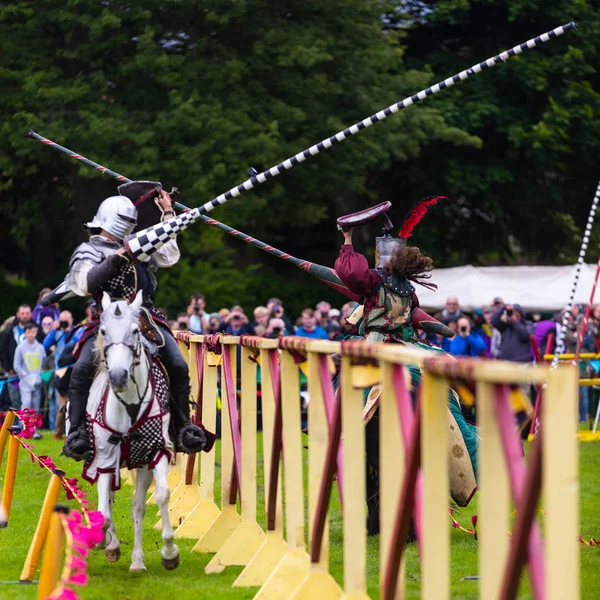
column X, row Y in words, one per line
column 60, row 332
column 322, row 314
column 278, row 312
column 515, row 343
column 276, row 328
column 236, row 323
column 182, row 323
column 214, row 323
column 467, row 342
column 198, row 319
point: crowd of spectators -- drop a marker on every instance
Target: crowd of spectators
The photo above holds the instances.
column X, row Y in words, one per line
column 36, row 341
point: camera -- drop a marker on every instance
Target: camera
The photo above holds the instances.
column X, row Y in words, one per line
column 182, row 325
column 276, row 331
column 197, row 308
column 464, row 329
column 509, row 312
column 64, row 324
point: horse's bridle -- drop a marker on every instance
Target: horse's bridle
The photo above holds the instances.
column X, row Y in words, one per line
column 136, row 350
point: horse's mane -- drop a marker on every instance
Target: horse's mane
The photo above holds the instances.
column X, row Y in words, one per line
column 99, row 353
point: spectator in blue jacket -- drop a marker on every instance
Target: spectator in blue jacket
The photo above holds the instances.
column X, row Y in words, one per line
column 309, row 327
column 466, row 342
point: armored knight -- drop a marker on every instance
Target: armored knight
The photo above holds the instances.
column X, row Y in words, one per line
column 102, row 265
column 389, row 301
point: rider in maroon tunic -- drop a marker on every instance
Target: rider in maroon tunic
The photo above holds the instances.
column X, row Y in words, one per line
column 387, row 290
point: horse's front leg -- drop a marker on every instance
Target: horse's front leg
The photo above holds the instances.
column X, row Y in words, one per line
column 111, row 545
column 169, row 552
column 138, row 509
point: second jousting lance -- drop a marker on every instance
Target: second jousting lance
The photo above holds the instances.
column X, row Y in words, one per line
column 142, row 244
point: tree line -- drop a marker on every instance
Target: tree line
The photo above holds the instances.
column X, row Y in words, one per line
column 193, row 94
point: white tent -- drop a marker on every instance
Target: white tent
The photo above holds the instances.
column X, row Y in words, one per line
column 541, row 289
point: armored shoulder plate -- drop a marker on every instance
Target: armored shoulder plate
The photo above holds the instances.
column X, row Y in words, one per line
column 398, row 285
column 95, row 251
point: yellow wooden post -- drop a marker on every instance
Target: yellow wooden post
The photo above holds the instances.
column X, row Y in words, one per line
column 435, row 548
column 494, row 496
column 9, row 480
column 273, row 549
column 355, row 536
column 293, row 567
column 561, row 479
column 204, row 514
column 41, row 532
column 9, row 419
column 53, row 554
column 224, row 525
column 391, row 470
column 176, row 478
column 248, row 537
column 318, row 583
column 188, row 494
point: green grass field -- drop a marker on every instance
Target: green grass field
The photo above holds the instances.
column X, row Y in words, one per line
column 114, row 582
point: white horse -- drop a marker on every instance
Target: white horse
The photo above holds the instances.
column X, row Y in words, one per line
column 129, row 418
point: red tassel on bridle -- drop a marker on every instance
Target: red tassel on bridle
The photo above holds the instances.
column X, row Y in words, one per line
column 416, row 214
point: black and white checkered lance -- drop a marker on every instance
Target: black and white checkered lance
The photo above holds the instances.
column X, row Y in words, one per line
column 143, row 243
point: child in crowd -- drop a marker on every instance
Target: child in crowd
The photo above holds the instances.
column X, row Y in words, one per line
column 28, row 361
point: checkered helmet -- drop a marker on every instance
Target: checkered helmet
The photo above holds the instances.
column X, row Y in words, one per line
column 116, row 215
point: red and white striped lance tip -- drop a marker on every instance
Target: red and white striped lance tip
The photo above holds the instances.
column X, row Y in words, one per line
column 416, row 214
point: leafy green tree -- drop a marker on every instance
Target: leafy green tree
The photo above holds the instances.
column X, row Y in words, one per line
column 193, row 95
column 525, row 194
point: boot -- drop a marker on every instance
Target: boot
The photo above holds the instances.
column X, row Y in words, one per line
column 192, row 438
column 78, row 444
column 189, row 438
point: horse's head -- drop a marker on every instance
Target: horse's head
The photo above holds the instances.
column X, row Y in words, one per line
column 121, row 344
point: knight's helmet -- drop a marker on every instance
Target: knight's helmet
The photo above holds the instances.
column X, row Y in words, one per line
column 117, row 215
column 386, row 244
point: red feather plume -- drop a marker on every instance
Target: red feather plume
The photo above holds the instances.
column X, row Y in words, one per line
column 416, row 214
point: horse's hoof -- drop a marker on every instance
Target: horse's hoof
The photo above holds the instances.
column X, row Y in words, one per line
column 170, row 563
column 112, row 555
column 133, row 569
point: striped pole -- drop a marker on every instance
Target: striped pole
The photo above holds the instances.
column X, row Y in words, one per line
column 560, row 342
column 86, row 161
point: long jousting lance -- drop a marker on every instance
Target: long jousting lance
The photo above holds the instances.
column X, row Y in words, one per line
column 142, row 244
